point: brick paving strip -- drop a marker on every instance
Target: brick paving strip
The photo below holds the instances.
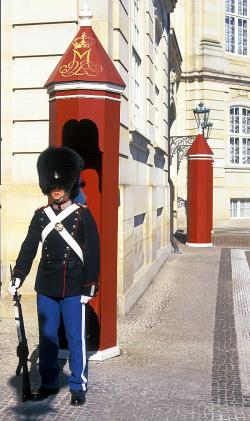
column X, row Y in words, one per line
column 226, row 383
column 248, row 257
column 241, row 295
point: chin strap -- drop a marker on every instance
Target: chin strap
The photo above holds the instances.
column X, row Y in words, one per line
column 62, row 199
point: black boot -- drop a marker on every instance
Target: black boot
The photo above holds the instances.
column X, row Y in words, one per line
column 77, row 397
column 43, row 393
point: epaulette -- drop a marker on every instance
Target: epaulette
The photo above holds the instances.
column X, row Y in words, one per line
column 41, row 208
column 81, row 205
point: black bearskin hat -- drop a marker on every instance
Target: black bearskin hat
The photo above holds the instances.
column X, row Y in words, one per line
column 59, row 168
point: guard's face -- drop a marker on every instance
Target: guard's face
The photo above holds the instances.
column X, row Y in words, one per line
column 57, row 194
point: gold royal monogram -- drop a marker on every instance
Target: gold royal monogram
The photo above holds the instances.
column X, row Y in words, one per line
column 81, row 63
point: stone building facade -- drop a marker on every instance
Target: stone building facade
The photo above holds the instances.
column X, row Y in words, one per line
column 135, row 34
column 214, row 40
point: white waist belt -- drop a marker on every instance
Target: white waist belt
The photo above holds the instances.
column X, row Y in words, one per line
column 56, row 220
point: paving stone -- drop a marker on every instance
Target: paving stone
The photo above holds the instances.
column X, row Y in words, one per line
column 180, row 354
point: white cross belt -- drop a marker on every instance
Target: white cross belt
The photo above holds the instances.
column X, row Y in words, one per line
column 56, row 219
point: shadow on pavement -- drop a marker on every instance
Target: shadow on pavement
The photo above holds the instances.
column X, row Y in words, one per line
column 29, row 410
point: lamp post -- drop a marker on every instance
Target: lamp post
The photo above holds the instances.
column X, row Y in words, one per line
column 200, row 183
column 179, row 145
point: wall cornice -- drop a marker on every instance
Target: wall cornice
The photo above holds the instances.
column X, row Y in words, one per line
column 216, row 76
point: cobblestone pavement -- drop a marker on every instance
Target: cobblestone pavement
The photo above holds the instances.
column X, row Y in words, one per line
column 185, row 351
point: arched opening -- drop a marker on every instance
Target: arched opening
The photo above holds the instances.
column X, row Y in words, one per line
column 82, row 136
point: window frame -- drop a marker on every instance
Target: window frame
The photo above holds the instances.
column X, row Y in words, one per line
column 157, row 85
column 240, row 136
column 237, row 208
column 136, row 117
column 237, row 17
column 136, row 79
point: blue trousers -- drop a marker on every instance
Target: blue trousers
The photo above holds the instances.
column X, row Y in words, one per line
column 73, row 312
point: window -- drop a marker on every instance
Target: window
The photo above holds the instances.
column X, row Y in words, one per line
column 157, row 63
column 135, row 23
column 239, row 136
column 237, row 26
column 136, row 77
column 136, row 91
column 240, row 208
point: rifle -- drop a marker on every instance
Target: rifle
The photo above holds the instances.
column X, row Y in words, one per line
column 22, row 347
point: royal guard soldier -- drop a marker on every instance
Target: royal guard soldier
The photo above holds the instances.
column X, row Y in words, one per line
column 67, row 276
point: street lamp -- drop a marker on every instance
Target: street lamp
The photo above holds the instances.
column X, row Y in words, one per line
column 201, row 114
column 180, row 144
column 207, row 130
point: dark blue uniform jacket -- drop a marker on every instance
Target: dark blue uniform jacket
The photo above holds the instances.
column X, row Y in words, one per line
column 61, row 272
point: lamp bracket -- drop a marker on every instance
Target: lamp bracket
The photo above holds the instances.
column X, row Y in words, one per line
column 179, row 146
